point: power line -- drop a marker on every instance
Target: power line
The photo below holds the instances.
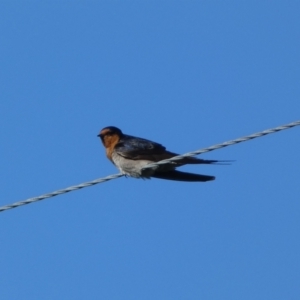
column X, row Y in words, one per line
column 225, row 144
column 101, row 180
column 59, row 192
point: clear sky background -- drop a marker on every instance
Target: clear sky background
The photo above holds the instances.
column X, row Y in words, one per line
column 187, row 74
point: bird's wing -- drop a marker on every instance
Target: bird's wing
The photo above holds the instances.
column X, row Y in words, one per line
column 137, row 148
column 182, row 176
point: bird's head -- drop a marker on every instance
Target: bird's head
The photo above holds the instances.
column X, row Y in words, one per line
column 110, row 136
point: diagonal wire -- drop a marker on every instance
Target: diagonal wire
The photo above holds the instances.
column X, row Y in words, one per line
column 225, row 144
column 101, row 180
column 59, row 192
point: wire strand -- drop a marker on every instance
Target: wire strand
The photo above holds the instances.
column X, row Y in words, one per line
column 59, row 192
column 166, row 161
column 225, row 144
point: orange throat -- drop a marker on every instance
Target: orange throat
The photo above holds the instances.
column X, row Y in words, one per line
column 109, row 143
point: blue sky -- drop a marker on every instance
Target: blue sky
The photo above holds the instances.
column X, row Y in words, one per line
column 187, row 74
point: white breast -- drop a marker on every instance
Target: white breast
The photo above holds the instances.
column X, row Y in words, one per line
column 132, row 167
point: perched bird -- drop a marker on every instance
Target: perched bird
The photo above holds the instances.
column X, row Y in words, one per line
column 131, row 154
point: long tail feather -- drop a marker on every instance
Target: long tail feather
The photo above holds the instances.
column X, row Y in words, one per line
column 182, row 176
column 194, row 160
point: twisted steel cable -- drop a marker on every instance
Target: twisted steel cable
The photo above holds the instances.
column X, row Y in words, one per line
column 59, row 192
column 225, row 144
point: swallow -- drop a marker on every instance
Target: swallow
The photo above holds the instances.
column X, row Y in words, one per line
column 131, row 154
